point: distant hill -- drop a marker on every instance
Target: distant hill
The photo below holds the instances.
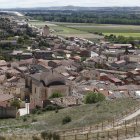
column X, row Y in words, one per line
column 78, row 8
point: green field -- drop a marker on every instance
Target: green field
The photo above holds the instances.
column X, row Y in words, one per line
column 125, row 30
column 59, row 29
column 87, row 30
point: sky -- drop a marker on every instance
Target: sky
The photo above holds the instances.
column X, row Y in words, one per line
column 48, row 3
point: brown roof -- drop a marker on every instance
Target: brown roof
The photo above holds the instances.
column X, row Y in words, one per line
column 134, row 72
column 48, row 77
column 115, row 79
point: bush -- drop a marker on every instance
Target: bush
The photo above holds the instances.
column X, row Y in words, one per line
column 93, row 97
column 34, row 120
column 66, row 120
column 16, row 103
column 83, row 59
column 39, row 112
column 50, row 107
column 24, row 119
column 56, row 111
column 56, row 95
column 34, row 111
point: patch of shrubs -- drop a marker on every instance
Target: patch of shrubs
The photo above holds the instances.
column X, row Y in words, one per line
column 24, row 119
column 51, row 108
column 36, row 111
column 39, row 112
column 47, row 108
column 34, row 120
column 56, row 95
column 66, row 120
column 93, row 97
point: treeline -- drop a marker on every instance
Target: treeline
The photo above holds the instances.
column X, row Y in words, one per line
column 103, row 17
column 122, row 40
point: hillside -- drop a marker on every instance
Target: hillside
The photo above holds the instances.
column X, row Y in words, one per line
column 81, row 116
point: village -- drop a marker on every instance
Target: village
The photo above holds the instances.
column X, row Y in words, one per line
column 41, row 65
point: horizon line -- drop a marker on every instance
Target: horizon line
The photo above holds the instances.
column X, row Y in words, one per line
column 70, row 6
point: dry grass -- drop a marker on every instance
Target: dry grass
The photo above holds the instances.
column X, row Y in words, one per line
column 82, row 116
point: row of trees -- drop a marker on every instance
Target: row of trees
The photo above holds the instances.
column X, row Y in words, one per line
column 120, row 39
column 110, row 17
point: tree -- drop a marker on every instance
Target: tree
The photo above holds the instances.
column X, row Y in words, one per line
column 21, row 40
column 16, row 103
column 56, row 95
column 93, row 97
column 26, row 37
column 83, row 59
column 66, row 120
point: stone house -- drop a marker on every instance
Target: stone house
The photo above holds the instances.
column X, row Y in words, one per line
column 119, row 64
column 42, row 54
column 46, row 31
column 43, row 85
column 91, row 74
column 134, row 58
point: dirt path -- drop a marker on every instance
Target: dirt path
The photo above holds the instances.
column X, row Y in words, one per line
column 137, row 138
column 129, row 117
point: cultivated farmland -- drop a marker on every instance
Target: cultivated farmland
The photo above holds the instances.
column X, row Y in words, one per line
column 107, row 29
column 87, row 30
column 59, row 29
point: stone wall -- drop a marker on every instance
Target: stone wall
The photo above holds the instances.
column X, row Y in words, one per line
column 63, row 89
column 8, row 112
